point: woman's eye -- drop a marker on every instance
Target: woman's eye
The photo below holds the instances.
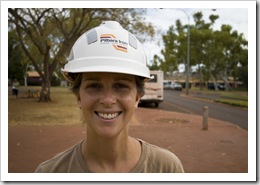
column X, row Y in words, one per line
column 120, row 86
column 94, row 86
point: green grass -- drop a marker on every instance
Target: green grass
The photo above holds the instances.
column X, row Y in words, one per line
column 235, row 95
column 233, row 98
column 233, row 102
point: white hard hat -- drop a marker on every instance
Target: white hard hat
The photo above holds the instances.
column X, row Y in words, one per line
column 107, row 48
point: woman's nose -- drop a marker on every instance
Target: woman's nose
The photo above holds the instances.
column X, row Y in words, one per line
column 107, row 98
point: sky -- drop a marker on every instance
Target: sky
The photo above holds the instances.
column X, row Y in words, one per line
column 163, row 18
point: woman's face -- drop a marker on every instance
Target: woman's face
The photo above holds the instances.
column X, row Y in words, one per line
column 107, row 101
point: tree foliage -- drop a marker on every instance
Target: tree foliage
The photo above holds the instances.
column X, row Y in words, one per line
column 15, row 58
column 215, row 53
column 46, row 35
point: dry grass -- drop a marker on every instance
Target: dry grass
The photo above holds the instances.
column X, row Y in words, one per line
column 63, row 109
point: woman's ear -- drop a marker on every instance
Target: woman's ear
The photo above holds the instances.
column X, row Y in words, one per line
column 138, row 97
column 79, row 101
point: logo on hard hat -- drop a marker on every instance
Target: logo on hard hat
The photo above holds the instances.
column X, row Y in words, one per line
column 117, row 43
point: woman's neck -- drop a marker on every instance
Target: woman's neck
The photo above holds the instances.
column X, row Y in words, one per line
column 111, row 155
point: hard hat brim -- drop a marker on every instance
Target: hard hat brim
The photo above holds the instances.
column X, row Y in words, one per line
column 113, row 65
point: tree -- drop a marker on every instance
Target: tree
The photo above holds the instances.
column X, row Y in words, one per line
column 171, row 52
column 15, row 55
column 211, row 53
column 46, row 35
column 216, row 54
column 201, row 45
column 155, row 65
column 233, row 47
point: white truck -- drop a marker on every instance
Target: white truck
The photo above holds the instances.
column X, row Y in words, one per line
column 154, row 89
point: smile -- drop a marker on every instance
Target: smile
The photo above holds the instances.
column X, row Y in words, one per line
column 108, row 116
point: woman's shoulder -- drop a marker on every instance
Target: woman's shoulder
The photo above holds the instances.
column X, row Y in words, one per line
column 154, row 150
column 61, row 162
column 161, row 158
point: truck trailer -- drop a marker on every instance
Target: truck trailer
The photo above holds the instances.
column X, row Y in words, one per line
column 154, row 89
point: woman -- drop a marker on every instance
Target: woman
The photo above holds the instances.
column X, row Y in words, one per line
column 107, row 67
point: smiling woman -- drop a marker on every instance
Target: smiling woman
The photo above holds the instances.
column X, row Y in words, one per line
column 108, row 83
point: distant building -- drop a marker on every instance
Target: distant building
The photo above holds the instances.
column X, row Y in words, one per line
column 33, row 78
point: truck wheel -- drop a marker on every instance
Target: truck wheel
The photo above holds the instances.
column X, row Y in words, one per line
column 156, row 104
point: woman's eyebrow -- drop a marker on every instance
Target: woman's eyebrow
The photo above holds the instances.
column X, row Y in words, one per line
column 91, row 79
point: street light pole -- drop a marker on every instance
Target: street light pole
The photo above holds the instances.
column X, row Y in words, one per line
column 188, row 51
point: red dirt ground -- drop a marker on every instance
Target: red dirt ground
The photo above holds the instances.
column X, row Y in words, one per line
column 223, row 148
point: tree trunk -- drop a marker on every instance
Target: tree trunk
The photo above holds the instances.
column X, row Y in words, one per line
column 45, row 95
column 200, row 76
column 214, row 81
column 224, row 78
column 25, row 80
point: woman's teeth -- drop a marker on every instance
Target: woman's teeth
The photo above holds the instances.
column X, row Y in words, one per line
column 107, row 116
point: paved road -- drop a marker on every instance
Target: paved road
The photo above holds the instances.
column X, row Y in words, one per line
column 173, row 101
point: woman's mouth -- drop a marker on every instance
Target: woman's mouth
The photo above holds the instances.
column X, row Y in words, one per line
column 108, row 116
